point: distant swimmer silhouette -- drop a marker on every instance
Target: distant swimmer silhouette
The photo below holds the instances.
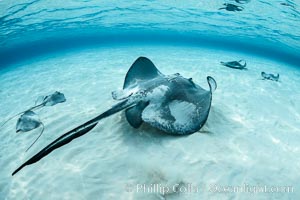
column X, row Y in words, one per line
column 231, row 7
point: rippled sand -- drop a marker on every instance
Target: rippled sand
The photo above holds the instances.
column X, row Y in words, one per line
column 251, row 137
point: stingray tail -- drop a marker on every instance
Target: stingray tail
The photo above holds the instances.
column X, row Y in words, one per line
column 243, row 66
column 74, row 133
column 32, row 108
column 212, row 84
column 11, row 118
column 43, row 127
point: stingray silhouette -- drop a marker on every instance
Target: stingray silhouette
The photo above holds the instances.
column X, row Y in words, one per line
column 235, row 64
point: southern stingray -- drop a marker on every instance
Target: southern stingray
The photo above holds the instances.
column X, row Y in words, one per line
column 27, row 122
column 170, row 103
column 49, row 100
column 271, row 77
column 235, row 64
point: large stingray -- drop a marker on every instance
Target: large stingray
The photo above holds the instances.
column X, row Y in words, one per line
column 49, row 100
column 170, row 103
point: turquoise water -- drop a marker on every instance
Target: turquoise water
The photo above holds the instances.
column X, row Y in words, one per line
column 263, row 27
column 84, row 49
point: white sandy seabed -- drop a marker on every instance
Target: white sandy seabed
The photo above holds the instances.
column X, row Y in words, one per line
column 251, row 138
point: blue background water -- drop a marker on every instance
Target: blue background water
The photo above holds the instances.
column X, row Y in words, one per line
column 267, row 28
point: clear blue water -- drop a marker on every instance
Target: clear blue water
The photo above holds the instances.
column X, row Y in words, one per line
column 263, row 27
column 84, row 49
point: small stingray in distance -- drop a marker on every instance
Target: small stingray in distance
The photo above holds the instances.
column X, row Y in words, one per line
column 27, row 122
column 235, row 64
column 271, row 77
column 50, row 100
column 171, row 103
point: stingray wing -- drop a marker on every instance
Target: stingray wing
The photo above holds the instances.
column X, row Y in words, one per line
column 184, row 110
column 141, row 70
column 177, row 117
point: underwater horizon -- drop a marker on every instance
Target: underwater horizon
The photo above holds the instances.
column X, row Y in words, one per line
column 248, row 146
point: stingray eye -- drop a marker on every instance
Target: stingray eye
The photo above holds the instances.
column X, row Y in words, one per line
column 177, row 74
column 191, row 81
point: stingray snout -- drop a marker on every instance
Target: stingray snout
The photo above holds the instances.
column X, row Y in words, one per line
column 120, row 94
